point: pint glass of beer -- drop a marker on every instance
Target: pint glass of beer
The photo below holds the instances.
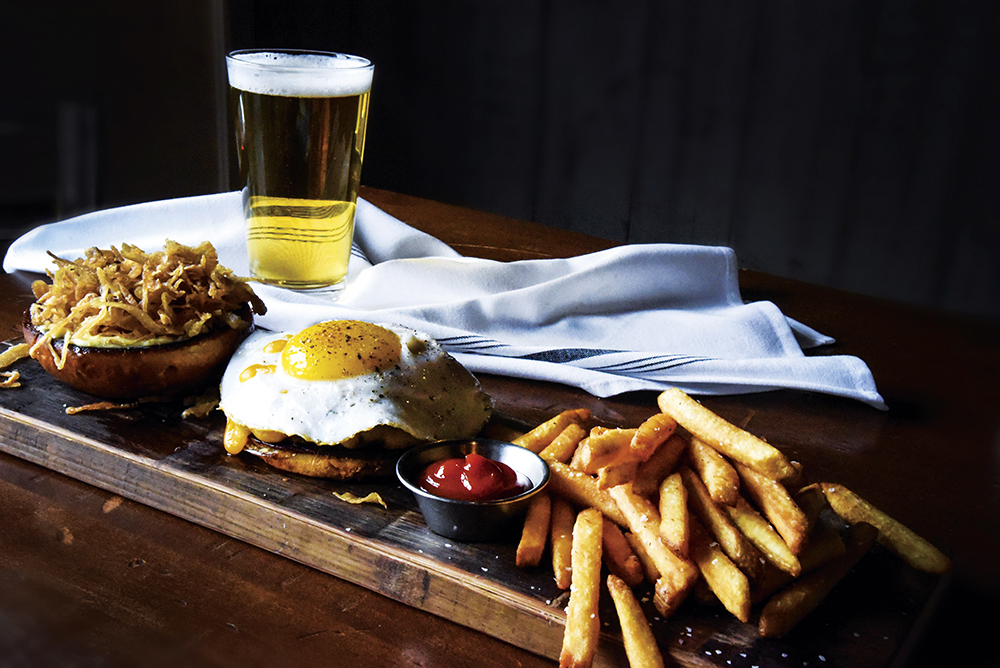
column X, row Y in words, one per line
column 300, row 119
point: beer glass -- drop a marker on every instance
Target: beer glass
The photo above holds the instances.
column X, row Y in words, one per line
column 300, row 120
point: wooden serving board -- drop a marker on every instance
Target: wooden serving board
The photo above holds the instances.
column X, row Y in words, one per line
column 153, row 456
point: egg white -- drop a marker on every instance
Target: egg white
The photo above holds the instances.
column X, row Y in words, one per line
column 428, row 394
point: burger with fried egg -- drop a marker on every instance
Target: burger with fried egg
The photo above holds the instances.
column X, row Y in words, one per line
column 342, row 399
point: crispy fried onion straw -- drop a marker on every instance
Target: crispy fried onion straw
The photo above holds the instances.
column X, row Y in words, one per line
column 129, row 297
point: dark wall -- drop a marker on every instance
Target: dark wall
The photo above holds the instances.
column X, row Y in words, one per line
column 851, row 143
column 108, row 102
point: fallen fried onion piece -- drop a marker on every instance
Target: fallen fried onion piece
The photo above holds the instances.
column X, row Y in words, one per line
column 16, row 352
column 371, row 497
column 12, row 379
column 102, row 406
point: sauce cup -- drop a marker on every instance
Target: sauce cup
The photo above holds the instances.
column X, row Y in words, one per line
column 472, row 521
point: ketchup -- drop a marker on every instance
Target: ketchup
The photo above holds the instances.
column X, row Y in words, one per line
column 472, row 478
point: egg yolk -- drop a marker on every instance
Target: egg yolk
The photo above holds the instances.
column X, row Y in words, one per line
column 340, row 349
column 254, row 369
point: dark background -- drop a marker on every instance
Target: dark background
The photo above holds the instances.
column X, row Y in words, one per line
column 850, row 143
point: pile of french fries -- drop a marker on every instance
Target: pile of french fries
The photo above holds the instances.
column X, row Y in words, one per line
column 693, row 506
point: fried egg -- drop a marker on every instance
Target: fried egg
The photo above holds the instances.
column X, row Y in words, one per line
column 345, row 382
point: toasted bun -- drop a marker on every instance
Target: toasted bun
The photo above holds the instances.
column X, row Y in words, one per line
column 166, row 369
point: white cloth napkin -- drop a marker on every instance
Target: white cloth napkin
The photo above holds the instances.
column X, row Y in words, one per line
column 636, row 317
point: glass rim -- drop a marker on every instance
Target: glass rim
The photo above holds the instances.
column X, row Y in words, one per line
column 350, row 62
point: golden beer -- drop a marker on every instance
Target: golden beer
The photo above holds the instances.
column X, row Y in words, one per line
column 300, row 131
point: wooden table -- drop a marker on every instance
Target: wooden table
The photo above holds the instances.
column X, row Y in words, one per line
column 88, row 577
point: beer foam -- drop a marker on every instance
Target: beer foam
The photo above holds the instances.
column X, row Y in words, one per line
column 299, row 74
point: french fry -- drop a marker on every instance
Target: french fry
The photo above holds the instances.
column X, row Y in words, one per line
column 583, row 624
column 760, row 532
column 669, row 591
column 616, row 474
column 696, row 506
column 641, row 648
column 677, row 575
column 913, row 549
column 562, row 447
column 539, row 437
column 777, row 505
column 719, row 476
column 584, row 455
column 604, row 447
column 561, row 531
column 646, row 440
column 576, row 461
column 737, row 444
column 824, row 545
column 619, row 556
column 582, row 489
column 534, row 534
column 812, row 502
column 795, row 480
column 615, row 454
column 648, row 567
column 735, row 545
column 660, row 464
column 789, row 606
column 673, row 508
column 724, row 578
column 650, row 435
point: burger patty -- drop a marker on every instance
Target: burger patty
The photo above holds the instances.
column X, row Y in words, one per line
column 297, row 455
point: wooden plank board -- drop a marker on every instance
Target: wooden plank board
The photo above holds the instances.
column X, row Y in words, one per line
column 154, row 457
